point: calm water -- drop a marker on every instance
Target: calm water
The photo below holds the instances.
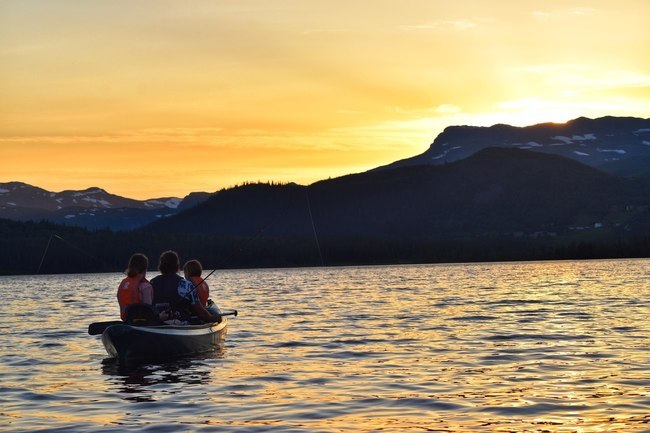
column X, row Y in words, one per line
column 506, row 347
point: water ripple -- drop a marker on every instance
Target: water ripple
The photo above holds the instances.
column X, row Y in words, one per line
column 491, row 347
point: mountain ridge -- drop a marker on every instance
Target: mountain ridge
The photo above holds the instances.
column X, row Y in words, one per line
column 498, row 204
column 91, row 207
column 594, row 142
column 503, row 184
column 619, row 146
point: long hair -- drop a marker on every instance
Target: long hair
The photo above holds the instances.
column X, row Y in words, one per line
column 138, row 264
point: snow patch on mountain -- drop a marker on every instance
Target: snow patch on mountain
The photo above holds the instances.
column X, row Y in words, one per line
column 584, row 137
column 2, row 190
column 563, row 139
column 102, row 202
column 529, row 145
column 89, row 191
column 580, row 153
column 619, row 151
column 171, row 203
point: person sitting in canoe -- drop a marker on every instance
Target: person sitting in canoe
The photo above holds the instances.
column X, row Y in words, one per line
column 193, row 271
column 135, row 289
column 175, row 297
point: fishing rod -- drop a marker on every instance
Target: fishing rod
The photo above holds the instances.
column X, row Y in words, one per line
column 250, row 239
column 38, row 271
column 313, row 226
column 99, row 327
column 223, row 260
column 86, row 253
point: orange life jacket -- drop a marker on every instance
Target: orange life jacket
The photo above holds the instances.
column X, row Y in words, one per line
column 202, row 289
column 128, row 293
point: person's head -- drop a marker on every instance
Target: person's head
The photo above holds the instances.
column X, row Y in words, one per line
column 138, row 264
column 193, row 268
column 169, row 263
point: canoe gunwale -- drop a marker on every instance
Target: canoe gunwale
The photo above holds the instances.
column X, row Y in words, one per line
column 129, row 342
column 206, row 328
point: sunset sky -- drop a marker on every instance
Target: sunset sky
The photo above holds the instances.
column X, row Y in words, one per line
column 152, row 98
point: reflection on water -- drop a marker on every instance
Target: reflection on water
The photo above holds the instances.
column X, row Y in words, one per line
column 140, row 383
column 549, row 346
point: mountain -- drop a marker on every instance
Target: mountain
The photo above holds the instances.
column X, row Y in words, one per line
column 498, row 204
column 611, row 143
column 92, row 208
column 496, row 189
column 497, row 194
column 638, row 167
column 616, row 145
column 193, row 199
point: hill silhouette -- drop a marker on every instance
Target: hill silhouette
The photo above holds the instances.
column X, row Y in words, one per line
column 498, row 204
column 426, row 213
column 495, row 189
column 616, row 145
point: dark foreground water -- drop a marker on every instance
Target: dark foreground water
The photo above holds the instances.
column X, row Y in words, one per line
column 505, row 347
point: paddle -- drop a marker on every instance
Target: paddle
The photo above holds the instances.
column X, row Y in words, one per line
column 97, row 328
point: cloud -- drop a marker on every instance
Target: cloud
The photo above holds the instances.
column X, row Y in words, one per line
column 457, row 25
column 447, row 109
column 562, row 14
column 327, row 31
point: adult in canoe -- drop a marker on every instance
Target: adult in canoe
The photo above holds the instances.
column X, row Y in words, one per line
column 175, row 296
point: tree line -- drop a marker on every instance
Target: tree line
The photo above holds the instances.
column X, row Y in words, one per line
column 45, row 248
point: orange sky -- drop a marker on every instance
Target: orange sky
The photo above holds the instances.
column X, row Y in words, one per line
column 150, row 98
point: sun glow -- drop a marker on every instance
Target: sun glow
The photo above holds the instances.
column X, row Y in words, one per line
column 162, row 100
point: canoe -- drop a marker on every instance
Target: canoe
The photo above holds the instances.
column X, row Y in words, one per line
column 131, row 343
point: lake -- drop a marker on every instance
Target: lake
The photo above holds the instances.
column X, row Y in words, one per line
column 494, row 347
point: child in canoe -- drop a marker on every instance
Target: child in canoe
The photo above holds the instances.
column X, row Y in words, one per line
column 193, row 271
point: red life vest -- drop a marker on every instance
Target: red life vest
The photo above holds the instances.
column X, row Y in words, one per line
column 202, row 289
column 129, row 293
